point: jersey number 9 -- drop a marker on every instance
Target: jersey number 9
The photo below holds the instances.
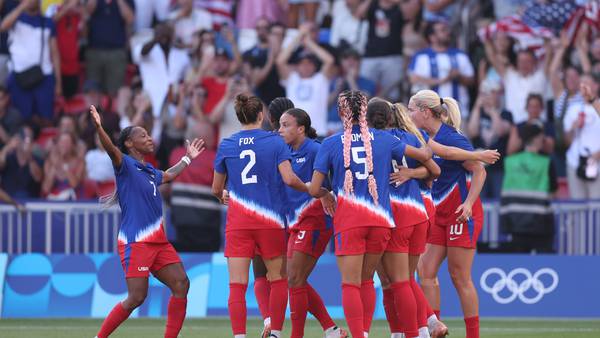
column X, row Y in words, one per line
column 245, row 178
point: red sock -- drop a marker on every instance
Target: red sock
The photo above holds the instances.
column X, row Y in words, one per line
column 390, row 311
column 437, row 314
column 175, row 316
column 298, row 309
column 353, row 309
column 406, row 307
column 262, row 289
column 317, row 308
column 237, row 307
column 422, row 303
column 368, row 297
column 472, row 326
column 278, row 302
column 113, row 320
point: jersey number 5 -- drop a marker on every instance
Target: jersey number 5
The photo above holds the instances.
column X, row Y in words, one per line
column 245, row 178
column 360, row 160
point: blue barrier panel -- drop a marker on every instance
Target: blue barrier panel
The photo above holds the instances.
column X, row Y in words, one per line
column 37, row 285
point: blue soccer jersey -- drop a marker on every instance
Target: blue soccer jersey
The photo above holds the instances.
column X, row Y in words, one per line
column 359, row 209
column 250, row 159
column 140, row 202
column 304, row 212
column 452, row 187
column 407, row 203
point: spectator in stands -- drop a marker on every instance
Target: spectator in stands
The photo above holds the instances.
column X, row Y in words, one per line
column 436, row 10
column 138, row 111
column 223, row 115
column 348, row 79
column 259, row 62
column 307, row 7
column 99, row 169
column 382, row 62
column 249, row 12
column 148, row 10
column 529, row 184
column 489, row 127
column 6, row 7
column 525, row 77
column 10, row 119
column 64, row 169
column 445, row 70
column 188, row 20
column 304, row 84
column 35, row 77
column 106, row 54
column 412, row 30
column 173, row 120
column 503, row 46
column 195, row 213
column 216, row 84
column 20, row 169
column 202, row 54
column 162, row 67
column 346, row 29
column 68, row 18
column 582, row 130
column 68, row 125
column 92, row 96
column 535, row 109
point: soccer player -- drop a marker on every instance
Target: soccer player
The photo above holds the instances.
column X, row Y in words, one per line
column 410, row 234
column 459, row 213
column 309, row 228
column 359, row 163
column 253, row 162
column 143, row 245
column 262, row 288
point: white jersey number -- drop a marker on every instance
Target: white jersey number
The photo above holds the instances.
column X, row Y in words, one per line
column 360, row 160
column 154, row 186
column 245, row 178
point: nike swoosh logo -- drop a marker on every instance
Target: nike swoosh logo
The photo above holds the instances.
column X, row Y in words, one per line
column 296, row 242
column 453, row 238
column 140, row 169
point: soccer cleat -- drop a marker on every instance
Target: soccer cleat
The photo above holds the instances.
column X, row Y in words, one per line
column 266, row 333
column 337, row 333
column 438, row 330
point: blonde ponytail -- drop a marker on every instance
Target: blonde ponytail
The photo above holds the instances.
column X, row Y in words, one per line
column 405, row 122
column 453, row 118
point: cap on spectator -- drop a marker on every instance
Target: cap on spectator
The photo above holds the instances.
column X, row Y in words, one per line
column 530, row 131
column 489, row 85
column 308, row 56
column 222, row 52
column 91, row 86
column 350, row 53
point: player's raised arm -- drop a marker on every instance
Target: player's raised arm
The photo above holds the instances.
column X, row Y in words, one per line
column 193, row 150
column 113, row 152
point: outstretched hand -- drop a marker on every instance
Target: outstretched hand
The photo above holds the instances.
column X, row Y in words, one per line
column 195, row 148
column 489, row 156
column 95, row 116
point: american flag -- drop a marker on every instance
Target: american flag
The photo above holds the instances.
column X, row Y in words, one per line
column 544, row 19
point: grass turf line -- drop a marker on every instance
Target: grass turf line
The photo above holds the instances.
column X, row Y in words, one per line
column 220, row 328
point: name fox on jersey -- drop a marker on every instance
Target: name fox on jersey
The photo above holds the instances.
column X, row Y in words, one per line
column 246, row 140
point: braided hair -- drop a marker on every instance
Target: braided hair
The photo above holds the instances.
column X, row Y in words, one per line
column 352, row 105
column 276, row 108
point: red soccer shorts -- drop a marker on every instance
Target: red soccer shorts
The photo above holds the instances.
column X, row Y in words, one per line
column 362, row 240
column 463, row 235
column 310, row 242
column 139, row 259
column 409, row 240
column 243, row 243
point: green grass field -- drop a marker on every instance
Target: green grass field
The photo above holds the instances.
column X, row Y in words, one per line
column 204, row 328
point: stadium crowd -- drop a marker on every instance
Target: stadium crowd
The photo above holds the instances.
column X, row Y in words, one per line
column 175, row 66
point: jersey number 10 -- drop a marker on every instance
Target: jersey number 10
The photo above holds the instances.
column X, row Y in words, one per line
column 245, row 178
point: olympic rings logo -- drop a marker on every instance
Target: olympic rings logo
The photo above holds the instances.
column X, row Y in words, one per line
column 518, row 289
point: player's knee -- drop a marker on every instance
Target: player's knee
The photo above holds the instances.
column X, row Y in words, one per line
column 295, row 279
column 460, row 278
column 136, row 299
column 181, row 286
column 429, row 282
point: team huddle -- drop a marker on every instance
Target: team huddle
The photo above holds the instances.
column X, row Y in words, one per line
column 397, row 190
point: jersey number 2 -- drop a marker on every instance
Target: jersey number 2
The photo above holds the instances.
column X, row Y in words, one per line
column 245, row 178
